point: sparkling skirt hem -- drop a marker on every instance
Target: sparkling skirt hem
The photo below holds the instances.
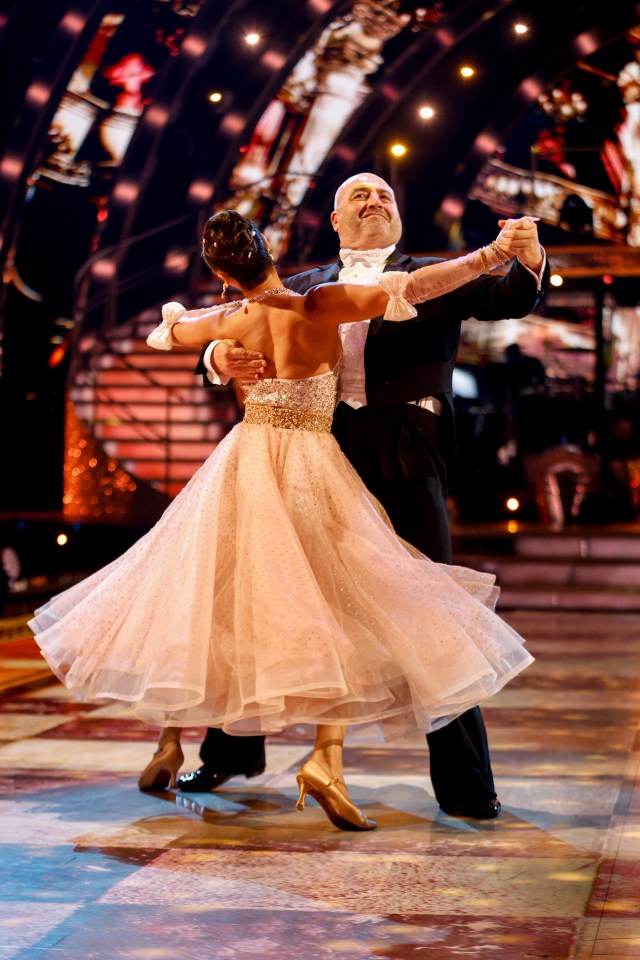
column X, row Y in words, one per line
column 272, row 592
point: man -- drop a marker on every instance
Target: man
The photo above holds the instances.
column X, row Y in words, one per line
column 395, row 423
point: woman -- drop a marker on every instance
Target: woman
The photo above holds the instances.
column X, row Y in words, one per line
column 273, row 590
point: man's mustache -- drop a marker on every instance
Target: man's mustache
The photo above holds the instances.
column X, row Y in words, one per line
column 374, row 213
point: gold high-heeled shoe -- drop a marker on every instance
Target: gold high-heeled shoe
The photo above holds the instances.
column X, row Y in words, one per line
column 163, row 767
column 316, row 782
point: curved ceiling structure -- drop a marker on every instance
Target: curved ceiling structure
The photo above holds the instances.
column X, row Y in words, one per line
column 183, row 150
column 472, row 119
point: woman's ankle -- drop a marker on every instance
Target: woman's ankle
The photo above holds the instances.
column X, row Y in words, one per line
column 168, row 736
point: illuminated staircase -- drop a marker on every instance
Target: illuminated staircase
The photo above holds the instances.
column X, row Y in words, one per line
column 146, row 407
column 573, row 568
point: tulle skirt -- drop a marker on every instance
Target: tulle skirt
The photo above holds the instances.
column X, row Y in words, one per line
column 273, row 591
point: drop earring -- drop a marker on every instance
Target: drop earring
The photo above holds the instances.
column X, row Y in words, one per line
column 225, row 287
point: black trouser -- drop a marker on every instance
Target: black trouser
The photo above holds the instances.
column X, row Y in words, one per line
column 223, row 752
column 398, row 458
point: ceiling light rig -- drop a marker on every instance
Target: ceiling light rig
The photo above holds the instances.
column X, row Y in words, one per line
column 520, row 29
column 398, row 149
column 252, row 39
column 564, row 103
column 467, row 72
column 427, row 113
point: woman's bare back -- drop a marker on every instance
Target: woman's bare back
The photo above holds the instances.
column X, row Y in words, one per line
column 297, row 346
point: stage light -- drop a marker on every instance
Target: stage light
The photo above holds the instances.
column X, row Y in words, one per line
column 426, row 113
column 389, row 92
column 512, row 504
column 521, row 28
column 512, row 526
column 176, row 260
column 252, row 39
column 102, row 215
column 466, row 72
column 201, row 191
column 453, row 207
column 57, row 355
column 126, row 191
column 215, row 97
column 607, row 279
column 273, row 60
column 193, row 45
column 11, row 166
column 556, row 280
column 398, row 149
column 38, row 93
column 73, row 22
column 233, row 123
column 157, row 116
column 486, row 144
column 103, row 269
column 62, row 539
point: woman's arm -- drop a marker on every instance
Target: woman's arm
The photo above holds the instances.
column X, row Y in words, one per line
column 395, row 292
column 189, row 328
column 197, row 327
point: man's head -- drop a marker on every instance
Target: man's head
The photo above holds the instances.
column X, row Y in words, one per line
column 365, row 215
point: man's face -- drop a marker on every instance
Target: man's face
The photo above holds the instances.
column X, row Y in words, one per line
column 366, row 215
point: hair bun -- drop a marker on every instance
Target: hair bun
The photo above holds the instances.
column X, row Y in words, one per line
column 230, row 236
column 234, row 246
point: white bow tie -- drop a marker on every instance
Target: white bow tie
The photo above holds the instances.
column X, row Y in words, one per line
column 366, row 258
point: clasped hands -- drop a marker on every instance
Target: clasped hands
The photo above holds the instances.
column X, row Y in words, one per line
column 519, row 238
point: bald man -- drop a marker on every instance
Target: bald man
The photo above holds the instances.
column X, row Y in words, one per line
column 395, row 423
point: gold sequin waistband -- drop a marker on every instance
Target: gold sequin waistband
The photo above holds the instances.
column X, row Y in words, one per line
column 287, row 417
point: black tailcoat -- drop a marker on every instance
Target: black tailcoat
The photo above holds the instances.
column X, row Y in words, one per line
column 403, row 452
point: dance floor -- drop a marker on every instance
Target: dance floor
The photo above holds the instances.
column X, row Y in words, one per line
column 91, row 868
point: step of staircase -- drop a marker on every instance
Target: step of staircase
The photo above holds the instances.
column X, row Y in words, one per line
column 113, row 378
column 147, row 408
column 537, row 568
column 174, row 431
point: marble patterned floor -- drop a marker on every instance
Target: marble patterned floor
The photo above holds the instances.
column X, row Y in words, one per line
column 92, row 869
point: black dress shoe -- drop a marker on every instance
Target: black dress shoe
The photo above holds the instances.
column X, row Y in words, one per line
column 475, row 811
column 206, row 778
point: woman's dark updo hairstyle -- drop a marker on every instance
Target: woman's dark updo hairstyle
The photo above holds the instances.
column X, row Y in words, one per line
column 234, row 245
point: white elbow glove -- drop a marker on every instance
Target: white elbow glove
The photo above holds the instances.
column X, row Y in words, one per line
column 436, row 279
column 162, row 337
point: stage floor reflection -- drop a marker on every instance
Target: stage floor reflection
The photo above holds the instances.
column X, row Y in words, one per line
column 94, row 869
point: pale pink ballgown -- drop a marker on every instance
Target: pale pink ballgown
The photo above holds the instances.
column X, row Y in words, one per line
column 274, row 591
